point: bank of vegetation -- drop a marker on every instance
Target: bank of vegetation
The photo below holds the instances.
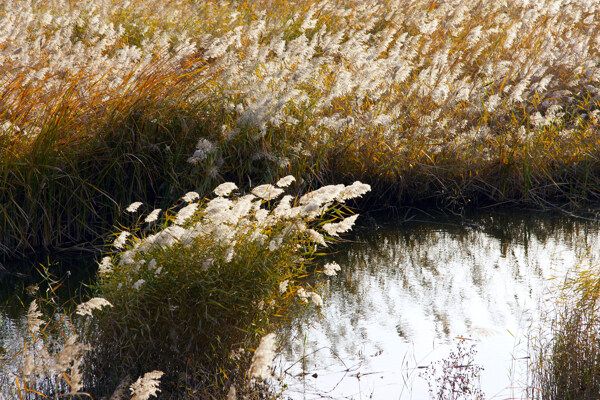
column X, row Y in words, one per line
column 448, row 103
column 191, row 297
column 105, row 103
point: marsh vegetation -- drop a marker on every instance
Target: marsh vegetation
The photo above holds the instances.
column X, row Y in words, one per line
column 450, row 103
column 104, row 104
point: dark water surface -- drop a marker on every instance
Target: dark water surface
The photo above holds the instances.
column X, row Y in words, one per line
column 408, row 290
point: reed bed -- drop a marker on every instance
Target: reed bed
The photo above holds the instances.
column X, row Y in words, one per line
column 194, row 292
column 451, row 103
column 189, row 296
column 567, row 350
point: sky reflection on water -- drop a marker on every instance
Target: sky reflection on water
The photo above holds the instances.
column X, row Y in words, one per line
column 406, row 291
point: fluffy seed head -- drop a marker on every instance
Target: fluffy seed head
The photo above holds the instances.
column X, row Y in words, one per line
column 263, row 357
column 331, row 268
column 104, row 266
column 190, row 196
column 121, row 239
column 185, row 213
column 146, row 386
column 33, row 317
column 133, row 207
column 153, row 216
column 91, row 305
column 316, row 299
column 267, row 192
column 224, row 189
column 285, row 181
column 334, row 229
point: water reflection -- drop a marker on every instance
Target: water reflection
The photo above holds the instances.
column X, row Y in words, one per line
column 406, row 291
column 60, row 278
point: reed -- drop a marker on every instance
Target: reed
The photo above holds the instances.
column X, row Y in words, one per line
column 186, row 300
column 194, row 289
column 63, row 187
column 567, row 350
column 446, row 103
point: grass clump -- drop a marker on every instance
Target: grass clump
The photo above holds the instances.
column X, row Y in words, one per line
column 567, row 354
column 187, row 301
column 50, row 361
column 44, row 357
column 195, row 289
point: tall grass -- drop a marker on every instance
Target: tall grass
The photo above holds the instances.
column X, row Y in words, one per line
column 567, row 352
column 202, row 285
column 189, row 292
column 449, row 102
column 64, row 186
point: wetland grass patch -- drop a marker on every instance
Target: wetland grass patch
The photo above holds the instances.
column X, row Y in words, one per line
column 189, row 292
column 567, row 349
column 446, row 103
column 103, row 103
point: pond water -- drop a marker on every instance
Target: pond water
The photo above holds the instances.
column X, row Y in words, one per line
column 409, row 291
column 70, row 273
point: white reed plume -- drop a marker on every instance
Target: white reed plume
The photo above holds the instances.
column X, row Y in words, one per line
column 335, row 228
column 104, row 266
column 267, row 192
column 146, row 386
column 357, row 189
column 33, row 318
column 190, row 196
column 133, row 207
column 121, row 239
column 285, row 181
column 185, row 213
column 76, row 381
column 302, row 295
column 263, row 357
column 138, row 284
column 73, row 350
column 316, row 299
column 204, row 147
column 283, row 286
column 153, row 216
column 316, row 237
column 323, row 195
column 92, row 304
column 224, row 189
column 232, row 394
column 331, row 268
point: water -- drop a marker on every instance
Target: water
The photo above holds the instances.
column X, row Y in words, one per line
column 408, row 290
column 66, row 274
